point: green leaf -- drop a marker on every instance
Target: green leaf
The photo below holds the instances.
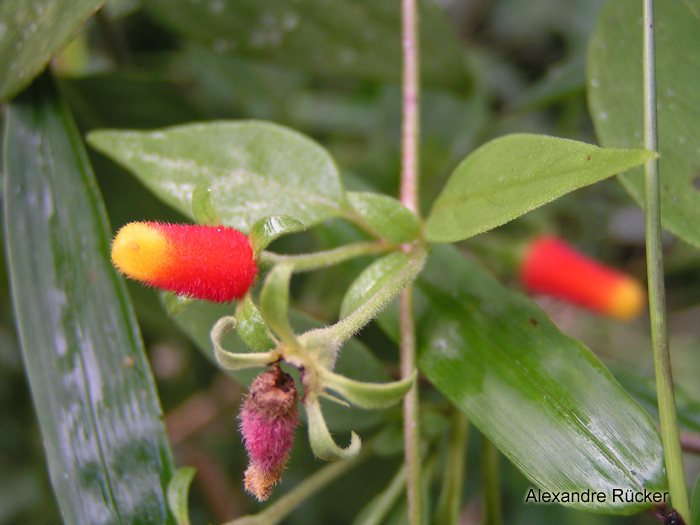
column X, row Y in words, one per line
column 643, row 389
column 178, row 490
column 251, row 326
column 31, row 32
column 372, row 279
column 371, row 396
column 615, row 100
column 386, row 216
column 350, row 38
column 274, row 302
column 268, row 229
column 254, row 169
column 321, row 440
column 92, row 387
column 541, row 397
column 695, row 504
column 203, row 208
column 512, row 175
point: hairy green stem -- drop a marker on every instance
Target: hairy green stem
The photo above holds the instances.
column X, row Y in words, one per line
column 281, row 508
column 312, row 261
column 348, row 326
column 410, row 133
column 492, row 485
column 655, row 271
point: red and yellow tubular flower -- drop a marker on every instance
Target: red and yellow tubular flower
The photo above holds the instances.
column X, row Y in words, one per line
column 214, row 263
column 552, row 267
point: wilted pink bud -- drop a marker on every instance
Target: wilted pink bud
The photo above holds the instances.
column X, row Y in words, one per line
column 268, row 418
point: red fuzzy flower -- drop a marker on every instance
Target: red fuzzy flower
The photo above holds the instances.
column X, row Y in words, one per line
column 268, row 418
column 552, row 267
column 205, row 262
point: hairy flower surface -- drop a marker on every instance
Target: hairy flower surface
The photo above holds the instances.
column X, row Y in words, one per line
column 214, row 263
column 268, row 417
column 554, row 268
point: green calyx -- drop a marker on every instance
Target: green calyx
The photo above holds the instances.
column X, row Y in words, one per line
column 268, row 332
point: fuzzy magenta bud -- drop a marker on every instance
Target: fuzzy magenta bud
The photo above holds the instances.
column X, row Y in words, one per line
column 268, row 418
column 214, row 263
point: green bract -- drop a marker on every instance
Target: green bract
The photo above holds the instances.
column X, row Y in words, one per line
column 314, row 352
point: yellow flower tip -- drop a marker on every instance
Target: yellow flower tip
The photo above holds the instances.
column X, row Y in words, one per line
column 628, row 300
column 140, row 250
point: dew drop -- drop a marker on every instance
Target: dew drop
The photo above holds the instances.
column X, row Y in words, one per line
column 603, row 115
column 595, row 82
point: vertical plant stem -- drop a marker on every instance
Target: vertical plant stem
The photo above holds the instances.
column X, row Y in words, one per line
column 655, row 272
column 449, row 505
column 409, row 198
column 492, row 484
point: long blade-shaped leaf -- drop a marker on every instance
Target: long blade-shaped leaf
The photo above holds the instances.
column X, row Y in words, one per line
column 615, row 100
column 30, row 32
column 540, row 396
column 98, row 410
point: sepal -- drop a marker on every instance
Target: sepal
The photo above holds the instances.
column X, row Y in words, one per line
column 268, row 229
column 274, row 302
column 251, row 327
column 173, row 302
column 320, row 438
column 233, row 361
column 370, row 396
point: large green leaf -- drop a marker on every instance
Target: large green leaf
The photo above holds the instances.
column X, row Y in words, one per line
column 543, row 398
column 357, row 39
column 512, row 175
column 30, row 32
column 355, row 361
column 615, row 100
column 643, row 389
column 254, row 169
column 91, row 383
